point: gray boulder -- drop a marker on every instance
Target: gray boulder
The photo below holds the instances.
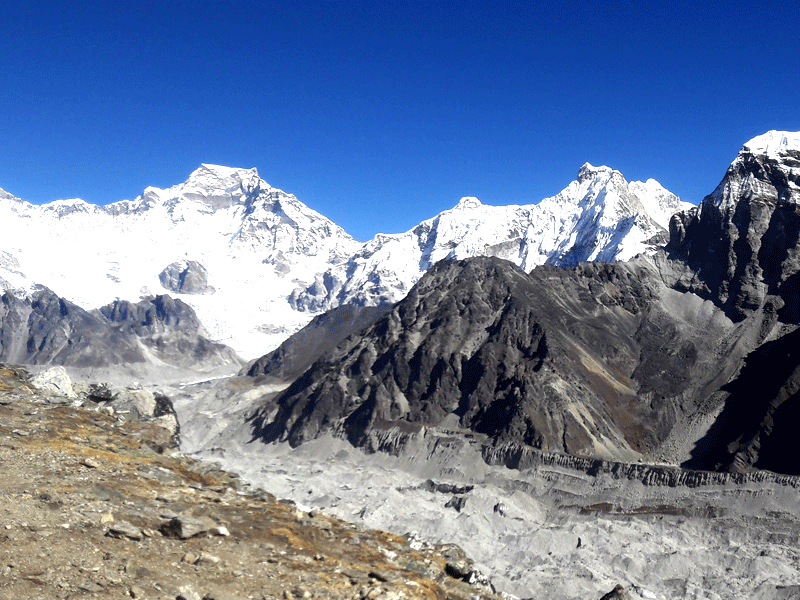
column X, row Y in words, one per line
column 186, row 277
column 54, row 381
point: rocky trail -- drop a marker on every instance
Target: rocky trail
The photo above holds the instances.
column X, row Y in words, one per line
column 93, row 506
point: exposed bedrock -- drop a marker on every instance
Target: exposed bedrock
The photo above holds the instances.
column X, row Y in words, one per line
column 756, row 429
column 45, row 329
column 323, row 333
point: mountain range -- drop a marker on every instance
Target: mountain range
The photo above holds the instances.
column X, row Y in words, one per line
column 256, row 264
column 609, row 321
column 647, row 359
column 610, row 398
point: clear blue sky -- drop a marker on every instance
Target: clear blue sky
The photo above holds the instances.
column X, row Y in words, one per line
column 381, row 114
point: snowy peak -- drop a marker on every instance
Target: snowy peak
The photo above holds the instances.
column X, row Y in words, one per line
column 741, row 239
column 468, row 202
column 766, row 166
column 596, row 217
column 773, row 143
column 4, row 195
column 658, row 201
column 590, row 172
column 255, row 263
column 213, row 185
column 248, row 244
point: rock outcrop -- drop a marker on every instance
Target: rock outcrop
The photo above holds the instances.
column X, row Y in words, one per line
column 741, row 241
column 567, row 360
column 186, row 277
column 323, row 333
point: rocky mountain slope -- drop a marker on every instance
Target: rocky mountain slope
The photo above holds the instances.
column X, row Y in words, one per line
column 96, row 506
column 622, row 361
column 256, row 264
column 742, row 241
column 155, row 336
column 568, row 360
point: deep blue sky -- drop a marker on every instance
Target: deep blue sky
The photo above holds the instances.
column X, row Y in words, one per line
column 381, row 114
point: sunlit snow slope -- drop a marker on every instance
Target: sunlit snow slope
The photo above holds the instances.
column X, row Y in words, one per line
column 256, row 242
column 599, row 216
column 266, row 263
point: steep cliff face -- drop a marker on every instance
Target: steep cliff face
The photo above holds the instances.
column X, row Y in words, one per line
column 757, row 428
column 742, row 241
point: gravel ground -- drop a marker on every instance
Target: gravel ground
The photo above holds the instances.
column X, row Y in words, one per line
column 93, row 507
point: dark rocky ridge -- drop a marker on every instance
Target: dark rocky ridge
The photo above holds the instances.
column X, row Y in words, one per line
column 741, row 242
column 326, row 331
column 45, row 329
column 756, row 427
column 566, row 360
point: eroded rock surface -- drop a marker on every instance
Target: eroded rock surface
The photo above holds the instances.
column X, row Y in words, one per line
column 45, row 329
column 569, row 360
column 741, row 241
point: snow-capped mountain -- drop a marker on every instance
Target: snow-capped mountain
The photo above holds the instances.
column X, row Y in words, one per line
column 255, row 263
column 255, row 242
column 599, row 216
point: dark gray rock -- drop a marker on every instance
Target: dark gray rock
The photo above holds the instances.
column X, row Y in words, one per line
column 123, row 529
column 185, row 527
column 756, row 429
column 562, row 359
column 618, row 593
column 456, row 503
column 170, row 329
column 186, row 277
column 44, row 329
column 741, row 242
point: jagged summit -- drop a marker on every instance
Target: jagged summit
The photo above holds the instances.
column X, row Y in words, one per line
column 773, row 143
column 742, row 238
column 252, row 243
column 589, row 171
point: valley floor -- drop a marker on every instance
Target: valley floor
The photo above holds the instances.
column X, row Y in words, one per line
column 551, row 532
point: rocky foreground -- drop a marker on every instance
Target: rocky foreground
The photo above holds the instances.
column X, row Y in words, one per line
column 96, row 506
